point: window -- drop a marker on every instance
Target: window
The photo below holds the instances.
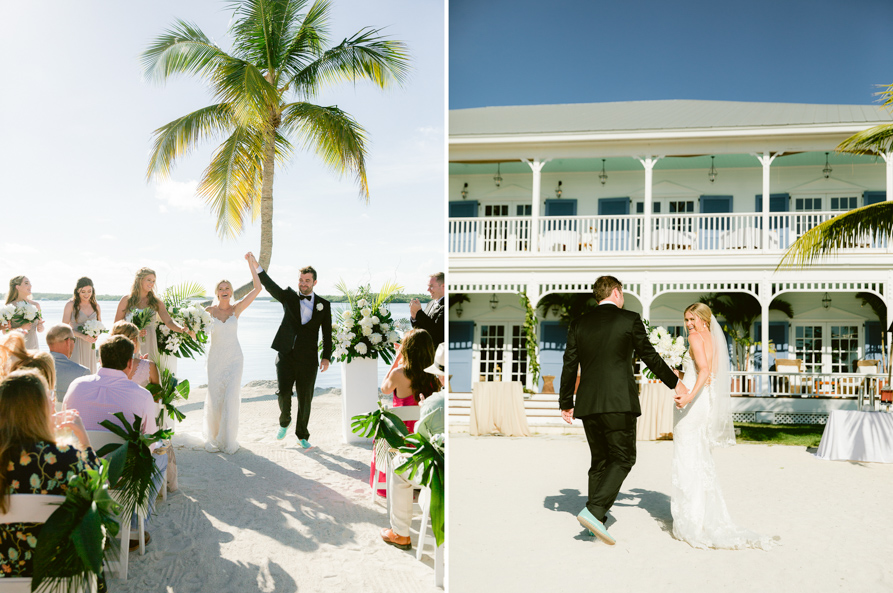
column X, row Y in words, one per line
column 503, row 353
column 844, row 203
column 682, row 206
column 523, row 210
column 808, row 204
column 496, row 210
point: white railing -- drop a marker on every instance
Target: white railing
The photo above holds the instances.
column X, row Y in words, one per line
column 617, row 234
column 590, row 233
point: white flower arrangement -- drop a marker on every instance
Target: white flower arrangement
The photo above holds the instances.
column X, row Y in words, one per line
column 93, row 328
column 671, row 349
column 188, row 315
column 366, row 327
column 25, row 312
column 6, row 314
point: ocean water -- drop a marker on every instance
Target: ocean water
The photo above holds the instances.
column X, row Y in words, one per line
column 257, row 327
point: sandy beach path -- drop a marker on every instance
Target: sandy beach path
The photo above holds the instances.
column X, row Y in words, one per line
column 272, row 517
column 513, row 501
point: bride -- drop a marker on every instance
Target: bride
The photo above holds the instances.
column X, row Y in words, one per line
column 701, row 421
column 221, row 423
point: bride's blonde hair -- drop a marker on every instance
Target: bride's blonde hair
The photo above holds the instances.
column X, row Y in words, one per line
column 701, row 311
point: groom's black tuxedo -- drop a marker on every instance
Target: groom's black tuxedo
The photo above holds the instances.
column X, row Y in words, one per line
column 297, row 345
column 602, row 343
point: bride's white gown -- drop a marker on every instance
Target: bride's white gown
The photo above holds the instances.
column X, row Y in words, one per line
column 221, row 424
column 700, row 516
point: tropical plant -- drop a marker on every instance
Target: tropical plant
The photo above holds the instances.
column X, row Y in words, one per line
column 458, row 298
column 71, row 546
column 879, row 308
column 530, row 322
column 132, row 468
column 569, row 306
column 380, row 424
column 740, row 310
column 280, row 62
column 425, row 463
column 875, row 220
column 167, row 392
column 192, row 316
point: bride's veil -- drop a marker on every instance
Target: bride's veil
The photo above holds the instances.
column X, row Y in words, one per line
column 720, row 431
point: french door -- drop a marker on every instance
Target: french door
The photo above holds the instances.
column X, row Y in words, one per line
column 827, row 347
column 503, row 353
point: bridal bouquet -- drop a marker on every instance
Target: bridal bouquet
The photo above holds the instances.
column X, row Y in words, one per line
column 6, row 314
column 141, row 318
column 669, row 348
column 25, row 312
column 92, row 328
column 366, row 329
column 188, row 315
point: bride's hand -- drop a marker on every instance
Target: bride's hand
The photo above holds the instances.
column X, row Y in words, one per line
column 683, row 400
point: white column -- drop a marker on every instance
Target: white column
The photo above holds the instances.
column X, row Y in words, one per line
column 888, row 157
column 647, row 296
column 766, row 161
column 765, row 301
column 648, row 162
column 537, row 168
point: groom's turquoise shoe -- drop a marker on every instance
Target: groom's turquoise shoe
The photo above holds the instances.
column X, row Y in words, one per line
column 304, row 443
column 281, row 434
column 595, row 527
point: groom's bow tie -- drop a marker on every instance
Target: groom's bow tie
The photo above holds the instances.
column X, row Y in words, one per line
column 305, row 296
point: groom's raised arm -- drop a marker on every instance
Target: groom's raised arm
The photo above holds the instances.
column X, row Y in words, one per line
column 275, row 291
column 569, row 370
column 646, row 352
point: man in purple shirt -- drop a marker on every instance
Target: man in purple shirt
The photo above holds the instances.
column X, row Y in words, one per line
column 98, row 397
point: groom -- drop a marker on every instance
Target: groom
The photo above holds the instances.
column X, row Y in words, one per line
column 602, row 343
column 296, row 343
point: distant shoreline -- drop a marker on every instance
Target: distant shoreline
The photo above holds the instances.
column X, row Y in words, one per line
column 50, row 296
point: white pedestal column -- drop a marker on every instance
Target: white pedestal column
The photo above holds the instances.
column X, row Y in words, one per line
column 359, row 394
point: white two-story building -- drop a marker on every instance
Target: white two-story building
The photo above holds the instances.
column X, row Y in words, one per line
column 668, row 197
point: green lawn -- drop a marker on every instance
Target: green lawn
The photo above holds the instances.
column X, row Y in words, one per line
column 798, row 435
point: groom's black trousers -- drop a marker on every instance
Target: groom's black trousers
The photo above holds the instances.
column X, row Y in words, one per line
column 297, row 370
column 612, row 444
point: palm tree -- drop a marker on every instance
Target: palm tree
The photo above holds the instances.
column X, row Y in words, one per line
column 869, row 221
column 740, row 310
column 570, row 305
column 281, row 59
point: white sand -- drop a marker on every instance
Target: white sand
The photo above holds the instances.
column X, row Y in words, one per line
column 273, row 517
column 512, row 526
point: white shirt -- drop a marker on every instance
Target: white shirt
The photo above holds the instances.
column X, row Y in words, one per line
column 307, row 308
column 98, row 397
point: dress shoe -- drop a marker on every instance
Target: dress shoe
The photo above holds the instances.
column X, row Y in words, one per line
column 281, row 434
column 398, row 541
column 135, row 543
column 595, row 527
column 304, row 443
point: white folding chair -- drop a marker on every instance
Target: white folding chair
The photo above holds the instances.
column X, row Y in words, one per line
column 99, row 439
column 32, row 508
column 383, row 450
column 425, row 504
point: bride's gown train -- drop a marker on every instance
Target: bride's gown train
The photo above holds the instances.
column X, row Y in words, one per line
column 221, row 423
column 700, row 516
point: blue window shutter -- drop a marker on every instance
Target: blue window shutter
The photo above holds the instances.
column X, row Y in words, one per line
column 553, row 336
column 873, row 197
column 613, row 206
column 464, row 209
column 872, row 340
column 777, row 202
column 778, row 335
column 716, row 204
column 461, row 335
column 561, row 207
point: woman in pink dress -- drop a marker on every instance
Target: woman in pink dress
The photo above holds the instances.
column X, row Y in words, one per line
column 407, row 380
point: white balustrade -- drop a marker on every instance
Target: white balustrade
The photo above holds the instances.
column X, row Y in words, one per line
column 489, row 235
column 590, row 233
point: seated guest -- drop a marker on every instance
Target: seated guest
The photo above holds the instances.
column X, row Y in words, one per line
column 61, row 342
column 31, row 462
column 430, row 423
column 19, row 357
column 145, row 371
column 98, row 397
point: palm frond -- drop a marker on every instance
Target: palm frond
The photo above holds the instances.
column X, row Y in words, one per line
column 346, row 291
column 827, row 238
column 365, row 56
column 872, row 141
column 181, row 136
column 308, row 41
column 185, row 291
column 262, row 30
column 389, row 289
column 243, row 86
column 334, row 135
column 182, row 49
column 231, row 183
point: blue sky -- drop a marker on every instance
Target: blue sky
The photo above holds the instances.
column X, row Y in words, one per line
column 798, row 51
column 77, row 118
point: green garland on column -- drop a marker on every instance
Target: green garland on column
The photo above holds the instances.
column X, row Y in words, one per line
column 530, row 320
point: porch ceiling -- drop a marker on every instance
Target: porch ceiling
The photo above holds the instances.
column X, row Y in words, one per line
column 722, row 161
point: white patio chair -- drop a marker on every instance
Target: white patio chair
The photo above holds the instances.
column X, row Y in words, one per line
column 868, row 386
column 425, row 504
column 383, row 450
column 31, row 508
column 99, row 439
column 791, row 367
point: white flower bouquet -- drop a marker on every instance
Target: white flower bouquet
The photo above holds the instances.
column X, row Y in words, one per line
column 92, row 328
column 366, row 329
column 671, row 349
column 24, row 313
column 141, row 318
column 188, row 315
column 6, row 314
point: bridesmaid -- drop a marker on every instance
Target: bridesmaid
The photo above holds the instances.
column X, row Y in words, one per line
column 142, row 297
column 20, row 290
column 78, row 310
